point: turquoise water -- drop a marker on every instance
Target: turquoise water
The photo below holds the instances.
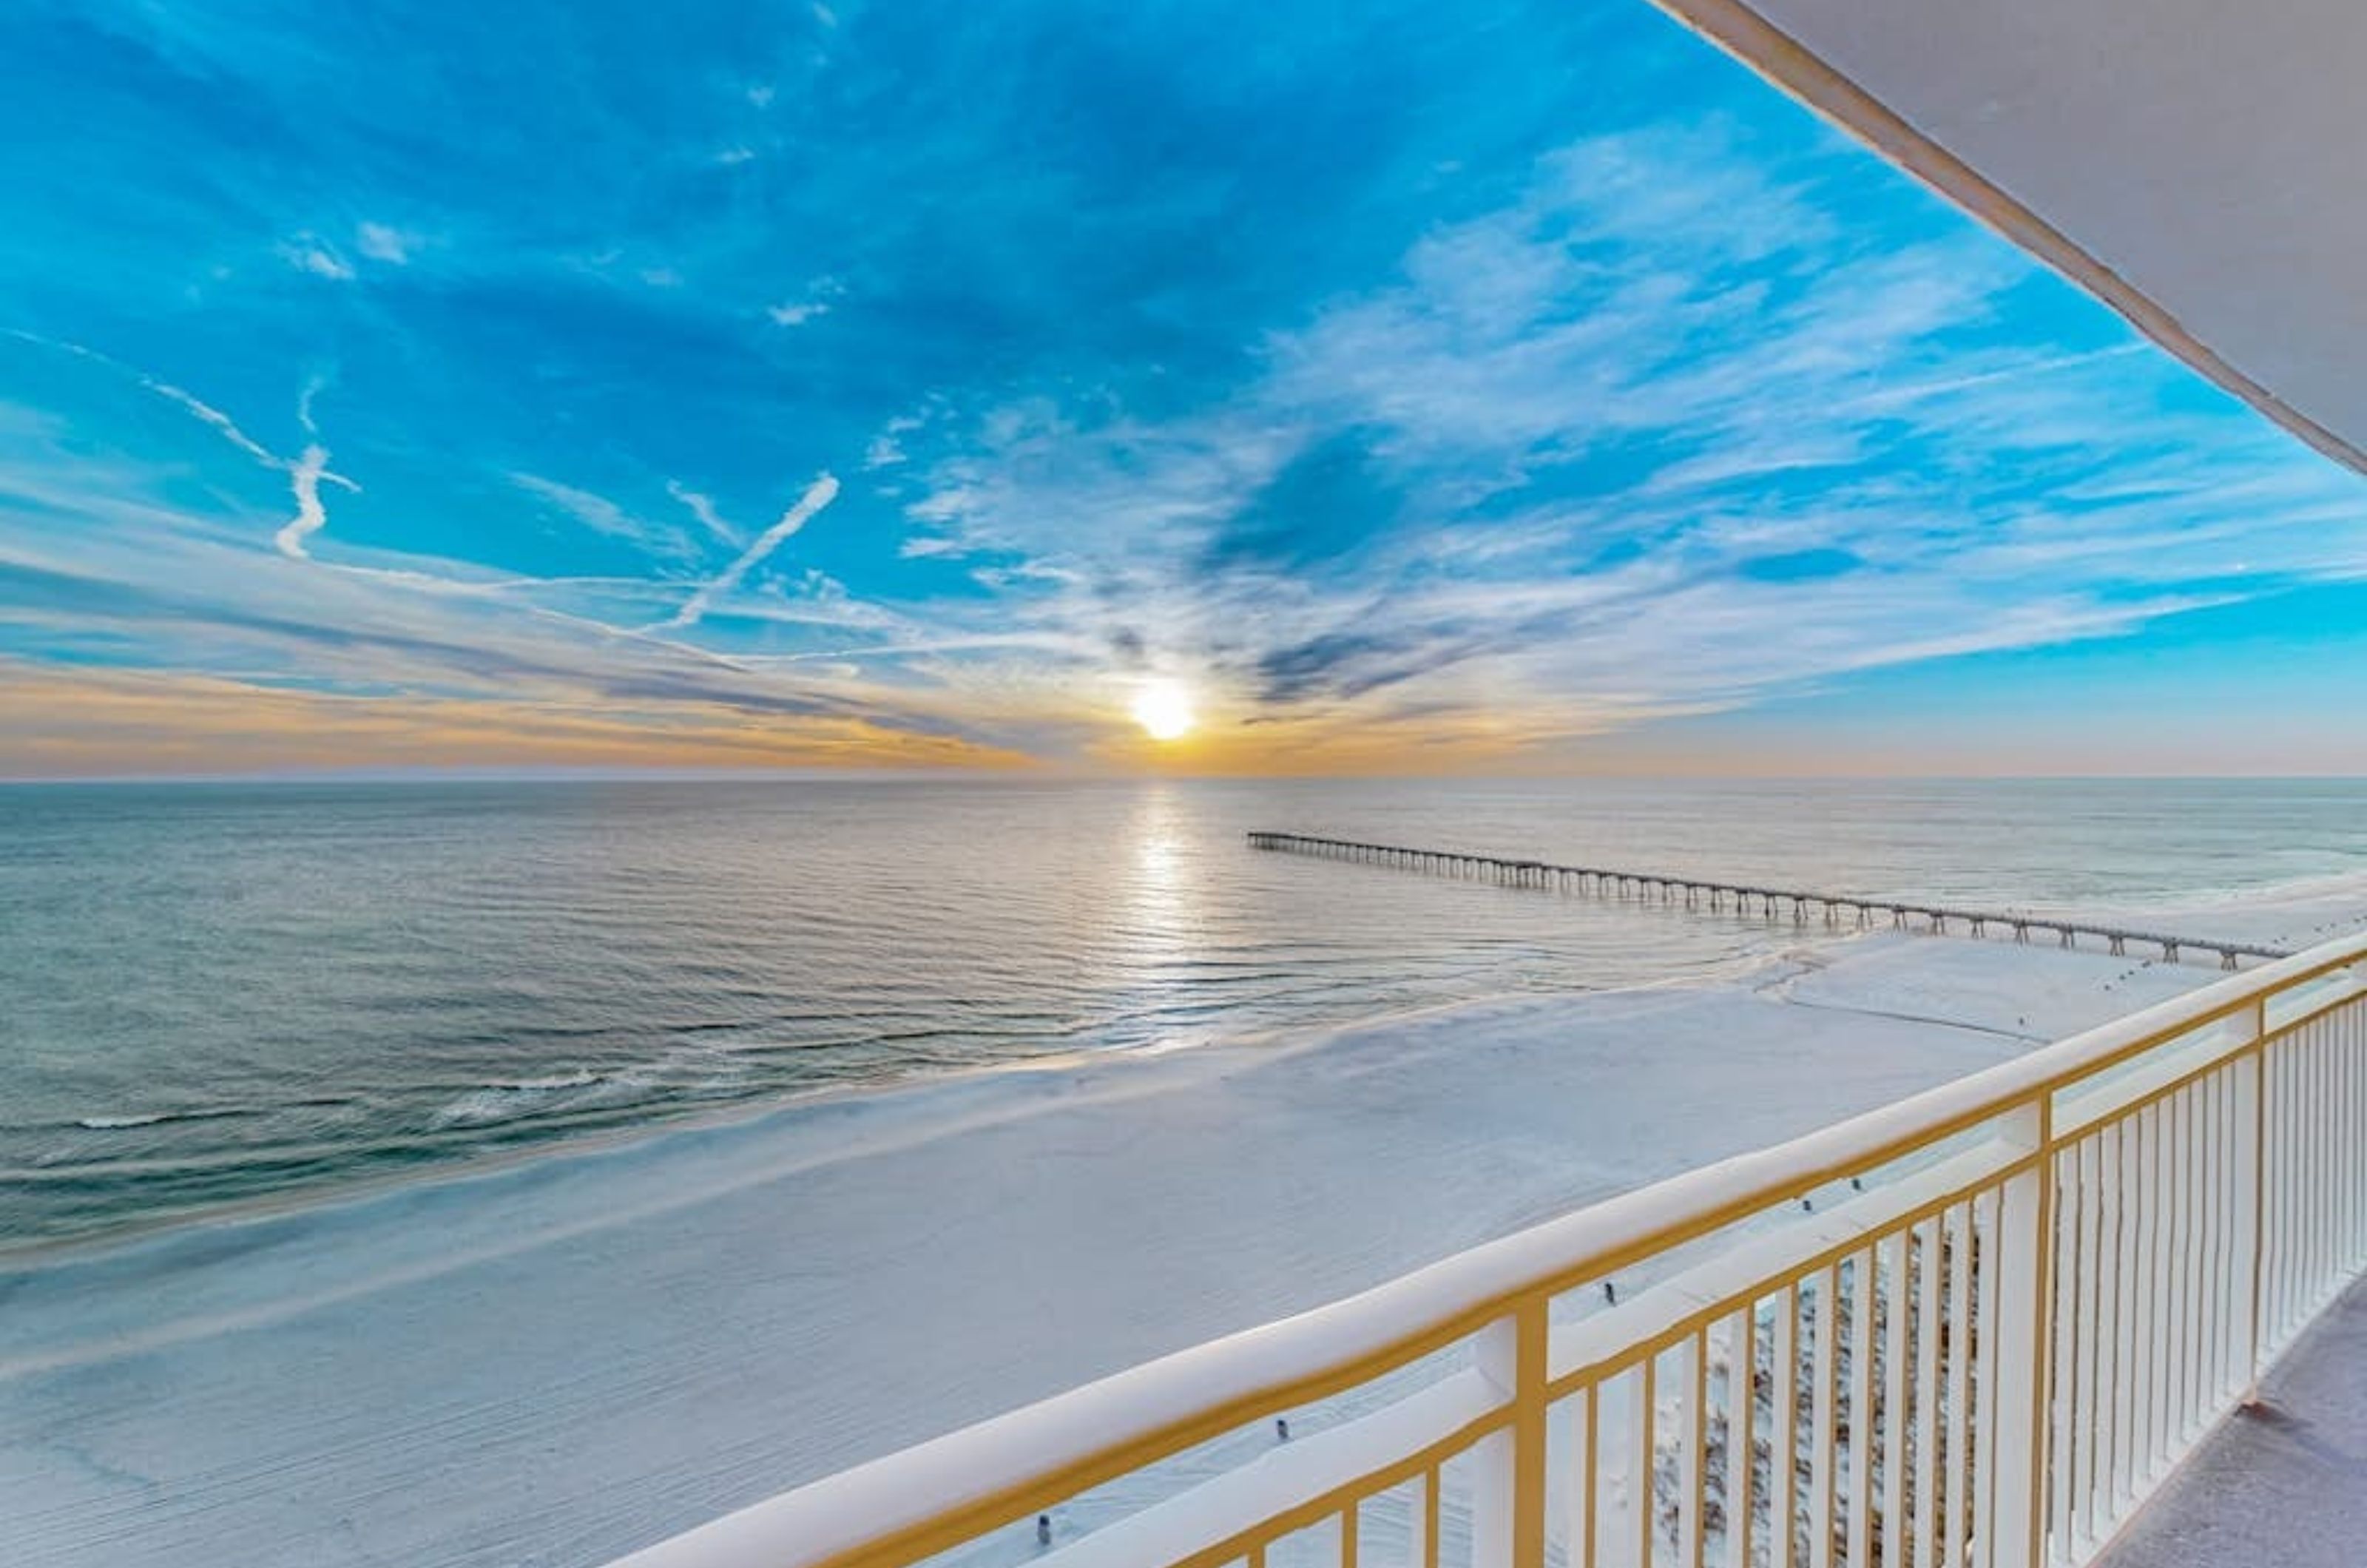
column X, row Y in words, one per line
column 218, row 994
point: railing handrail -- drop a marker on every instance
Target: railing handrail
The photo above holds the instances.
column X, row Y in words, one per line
column 943, row 1492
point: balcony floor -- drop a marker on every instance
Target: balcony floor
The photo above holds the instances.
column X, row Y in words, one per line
column 2284, row 1483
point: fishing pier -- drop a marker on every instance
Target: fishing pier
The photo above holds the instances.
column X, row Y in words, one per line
column 1834, row 910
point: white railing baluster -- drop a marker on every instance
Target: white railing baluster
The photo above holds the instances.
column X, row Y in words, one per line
column 1692, row 1453
column 2189, row 1160
column 2026, row 1251
column 2300, row 1167
column 1987, row 1369
column 2250, row 1079
column 2145, row 1371
column 1928, row 1270
column 2063, row 1367
column 1823, row 1336
column 1741, row 1434
column 2090, row 1248
column 1783, row 1434
column 2122, row 1373
column 2321, row 1191
column 2161, row 1140
column 2101, row 1508
column 1960, row 1370
column 1863, row 1442
column 1623, row 1484
column 2214, row 1194
column 2349, row 1138
column 1895, row 1298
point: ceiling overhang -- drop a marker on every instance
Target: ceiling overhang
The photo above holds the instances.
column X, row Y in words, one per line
column 2200, row 166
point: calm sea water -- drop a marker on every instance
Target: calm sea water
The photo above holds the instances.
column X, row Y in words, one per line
column 213, row 995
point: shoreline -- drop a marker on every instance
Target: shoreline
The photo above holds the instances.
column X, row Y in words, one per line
column 1090, row 1082
column 2252, row 909
column 263, row 1207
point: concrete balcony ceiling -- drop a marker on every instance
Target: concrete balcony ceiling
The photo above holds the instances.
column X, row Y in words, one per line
column 2196, row 165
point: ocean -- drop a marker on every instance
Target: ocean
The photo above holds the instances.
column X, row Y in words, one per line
column 215, row 996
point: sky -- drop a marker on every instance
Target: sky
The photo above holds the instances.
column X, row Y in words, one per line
column 1508, row 389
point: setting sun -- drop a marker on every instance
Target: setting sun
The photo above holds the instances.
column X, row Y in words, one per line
column 1163, row 708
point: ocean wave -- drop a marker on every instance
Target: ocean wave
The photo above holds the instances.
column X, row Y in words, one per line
column 151, row 1118
column 582, row 1077
column 505, row 1099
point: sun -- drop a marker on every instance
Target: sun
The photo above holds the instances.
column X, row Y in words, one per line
column 1163, row 708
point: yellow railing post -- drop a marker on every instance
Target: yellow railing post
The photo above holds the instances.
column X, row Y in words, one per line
column 1508, row 1493
column 1531, row 1331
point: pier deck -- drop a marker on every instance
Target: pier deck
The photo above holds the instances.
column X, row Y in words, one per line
column 1834, row 910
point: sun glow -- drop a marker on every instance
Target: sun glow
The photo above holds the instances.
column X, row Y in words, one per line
column 1163, row 708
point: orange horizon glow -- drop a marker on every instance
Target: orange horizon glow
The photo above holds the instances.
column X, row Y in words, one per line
column 96, row 723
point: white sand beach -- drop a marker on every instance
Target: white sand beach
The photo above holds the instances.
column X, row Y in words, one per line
column 556, row 1361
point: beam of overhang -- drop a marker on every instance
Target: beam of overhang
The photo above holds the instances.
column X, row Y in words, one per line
column 1799, row 71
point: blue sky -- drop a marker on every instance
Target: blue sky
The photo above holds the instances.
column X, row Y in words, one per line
column 1515, row 388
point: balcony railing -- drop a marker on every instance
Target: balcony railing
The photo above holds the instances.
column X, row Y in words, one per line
column 1977, row 1326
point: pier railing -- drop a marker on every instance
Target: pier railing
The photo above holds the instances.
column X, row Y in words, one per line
column 1771, row 903
column 1974, row 1327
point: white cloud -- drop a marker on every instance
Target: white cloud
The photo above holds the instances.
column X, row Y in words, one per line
column 1592, row 440
column 814, row 303
column 308, row 255
column 703, row 508
column 208, row 415
column 380, row 243
column 304, row 479
column 1772, row 393
column 306, row 472
column 819, row 494
column 885, row 450
column 603, row 515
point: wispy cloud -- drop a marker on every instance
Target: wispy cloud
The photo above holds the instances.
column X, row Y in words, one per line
column 306, row 253
column 201, row 598
column 77, row 723
column 304, row 479
column 815, row 302
column 606, row 517
column 307, row 471
column 1661, row 435
column 703, row 508
column 384, row 242
column 1511, row 424
column 819, row 494
column 204, row 412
